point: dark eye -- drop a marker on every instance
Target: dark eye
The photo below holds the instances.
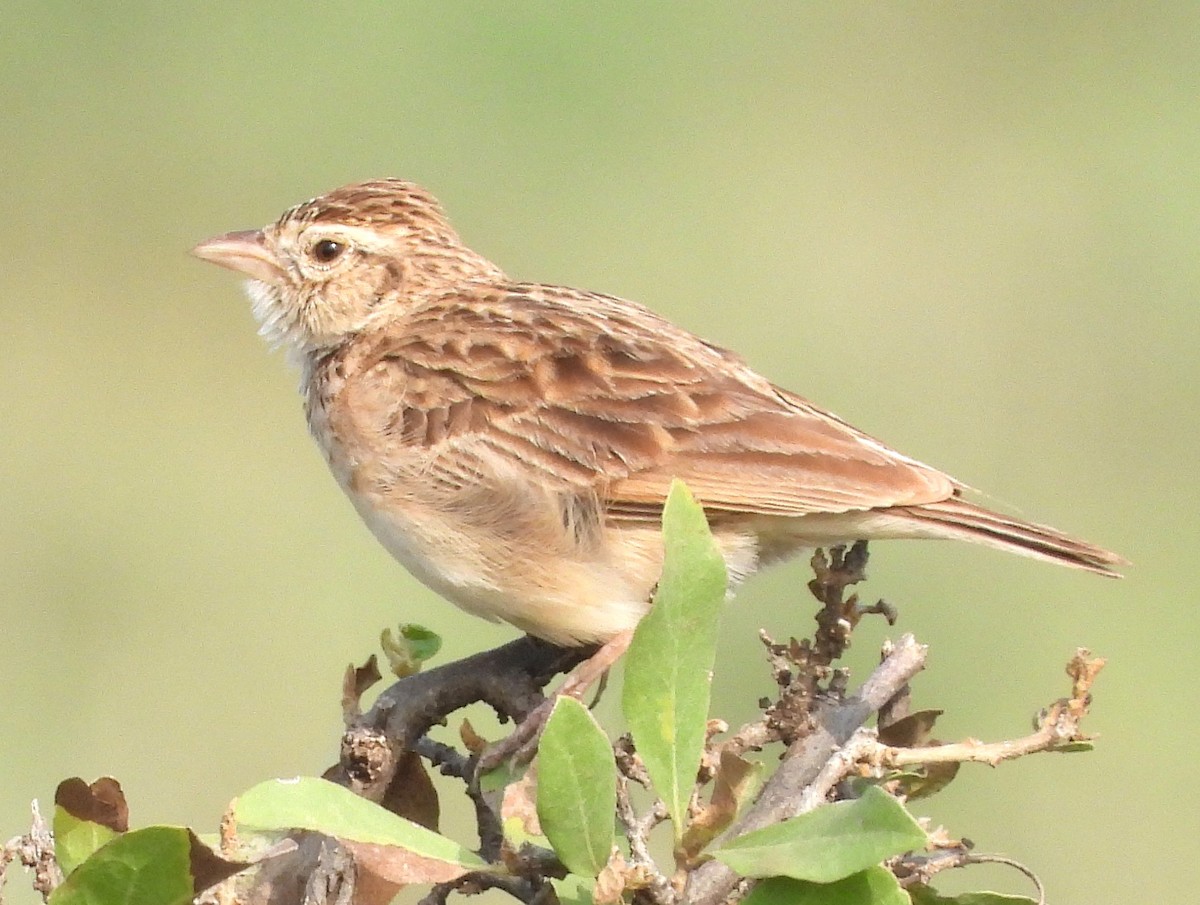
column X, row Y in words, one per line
column 327, row 251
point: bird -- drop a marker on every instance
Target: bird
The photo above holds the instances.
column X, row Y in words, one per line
column 512, row 443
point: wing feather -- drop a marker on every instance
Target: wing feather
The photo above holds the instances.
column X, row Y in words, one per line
column 601, row 396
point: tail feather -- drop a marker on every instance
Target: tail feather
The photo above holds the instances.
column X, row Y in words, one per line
column 958, row 518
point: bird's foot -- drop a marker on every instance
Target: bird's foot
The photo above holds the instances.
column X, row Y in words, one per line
column 521, row 745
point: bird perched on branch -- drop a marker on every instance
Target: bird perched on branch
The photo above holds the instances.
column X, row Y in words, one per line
column 512, row 443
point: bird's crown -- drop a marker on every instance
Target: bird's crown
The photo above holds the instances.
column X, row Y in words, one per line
column 375, row 204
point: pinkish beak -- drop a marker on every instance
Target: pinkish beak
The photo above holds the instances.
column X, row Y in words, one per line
column 245, row 252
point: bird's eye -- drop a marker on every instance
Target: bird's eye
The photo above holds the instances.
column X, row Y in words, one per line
column 326, row 251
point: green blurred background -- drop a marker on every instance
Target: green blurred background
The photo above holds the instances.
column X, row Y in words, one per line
column 971, row 229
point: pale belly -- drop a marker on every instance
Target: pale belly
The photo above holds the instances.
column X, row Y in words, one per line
column 562, row 599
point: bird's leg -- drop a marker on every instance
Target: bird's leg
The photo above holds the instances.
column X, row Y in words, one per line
column 596, row 667
column 521, row 744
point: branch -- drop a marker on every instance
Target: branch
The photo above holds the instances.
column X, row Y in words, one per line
column 782, row 796
column 35, row 851
column 375, row 750
column 835, row 724
column 920, row 867
column 840, row 765
column 637, row 832
column 509, row 678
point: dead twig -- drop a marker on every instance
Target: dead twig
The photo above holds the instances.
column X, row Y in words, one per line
column 35, row 851
column 1058, row 728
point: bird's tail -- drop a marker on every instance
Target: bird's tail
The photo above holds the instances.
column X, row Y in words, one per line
column 959, row 518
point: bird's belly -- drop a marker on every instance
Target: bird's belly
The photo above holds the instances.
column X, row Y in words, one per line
column 442, row 558
column 505, row 576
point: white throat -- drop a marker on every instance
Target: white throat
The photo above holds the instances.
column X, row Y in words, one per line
column 278, row 325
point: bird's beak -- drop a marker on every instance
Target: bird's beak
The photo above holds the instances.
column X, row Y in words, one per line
column 245, row 251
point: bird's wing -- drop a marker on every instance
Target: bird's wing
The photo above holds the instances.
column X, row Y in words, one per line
column 596, row 395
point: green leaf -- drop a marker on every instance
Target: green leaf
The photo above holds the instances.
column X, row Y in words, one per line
column 573, row 889
column 926, row 895
column 499, row 776
column 874, row 886
column 576, row 788
column 827, row 844
column 516, row 834
column 668, row 668
column 158, row 865
column 408, row 652
column 424, row 643
column 76, row 840
column 308, row 803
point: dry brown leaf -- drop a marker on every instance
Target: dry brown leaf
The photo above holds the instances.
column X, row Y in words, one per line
column 102, row 802
column 355, row 682
column 732, row 785
column 520, row 803
column 911, row 731
column 401, row 866
column 615, row 878
column 474, row 742
column 207, row 867
column 411, row 793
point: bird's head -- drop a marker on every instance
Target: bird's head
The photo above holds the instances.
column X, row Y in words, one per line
column 327, row 268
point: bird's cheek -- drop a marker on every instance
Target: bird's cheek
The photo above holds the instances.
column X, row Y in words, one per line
column 392, row 276
column 325, row 316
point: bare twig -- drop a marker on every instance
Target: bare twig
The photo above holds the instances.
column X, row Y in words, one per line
column 519, row 888
column 637, row 831
column 1058, row 727
column 921, row 867
column 35, row 851
column 448, row 759
column 840, row 765
column 1017, row 865
column 752, row 736
column 487, row 820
